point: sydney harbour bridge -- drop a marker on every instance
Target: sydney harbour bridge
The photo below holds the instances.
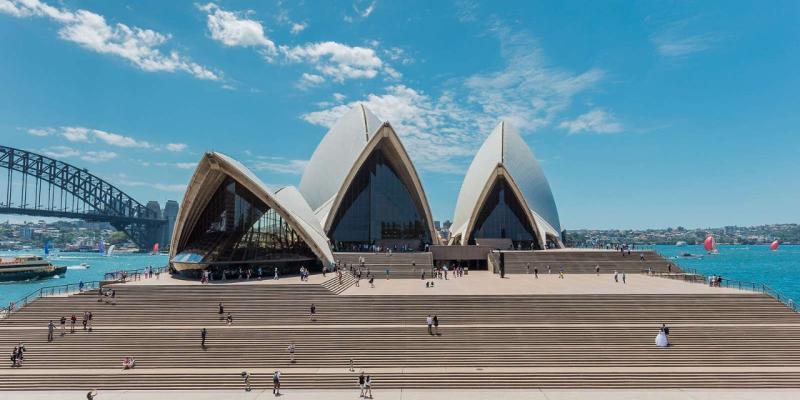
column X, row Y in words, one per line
column 38, row 185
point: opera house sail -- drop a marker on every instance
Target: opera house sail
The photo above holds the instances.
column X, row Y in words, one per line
column 364, row 189
column 506, row 196
column 230, row 221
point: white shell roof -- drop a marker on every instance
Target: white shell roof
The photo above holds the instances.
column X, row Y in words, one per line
column 505, row 147
column 336, row 154
column 287, row 201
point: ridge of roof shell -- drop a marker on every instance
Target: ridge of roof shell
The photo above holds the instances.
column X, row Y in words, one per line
column 336, row 153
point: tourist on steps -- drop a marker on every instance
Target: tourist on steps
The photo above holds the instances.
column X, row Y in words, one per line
column 63, row 325
column 429, row 321
column 90, row 395
column 229, row 319
column 276, row 383
column 291, row 349
column 203, row 335
column 221, row 311
column 50, row 328
column 436, row 325
column 362, row 385
column 313, row 312
column 368, row 385
column 536, row 272
column 72, row 321
column 616, row 276
column 246, row 377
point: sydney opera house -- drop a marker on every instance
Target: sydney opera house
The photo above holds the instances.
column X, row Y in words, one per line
column 360, row 191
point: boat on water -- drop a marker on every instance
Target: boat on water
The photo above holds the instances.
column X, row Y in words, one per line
column 680, row 243
column 690, row 255
column 21, row 268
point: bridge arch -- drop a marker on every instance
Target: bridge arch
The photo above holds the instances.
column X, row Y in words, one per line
column 38, row 185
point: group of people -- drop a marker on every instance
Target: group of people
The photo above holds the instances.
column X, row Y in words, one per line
column 617, row 277
column 128, row 362
column 365, row 384
column 18, row 355
column 276, row 382
column 715, row 281
column 304, row 273
column 87, row 324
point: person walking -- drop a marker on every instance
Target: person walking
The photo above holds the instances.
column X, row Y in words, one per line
column 597, row 269
column 536, row 272
column 85, row 319
column 436, row 325
column 63, row 325
column 246, row 378
column 276, row 383
column 50, row 328
column 616, row 276
column 429, row 321
column 221, row 310
column 276, row 274
column 90, row 395
column 203, row 335
column 362, row 385
column 372, row 282
column 368, row 384
column 72, row 321
column 623, row 277
column 91, row 316
column 313, row 312
column 291, row 349
column 229, row 319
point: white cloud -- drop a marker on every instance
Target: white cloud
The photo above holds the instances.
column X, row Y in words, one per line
column 442, row 133
column 38, row 131
column 186, row 165
column 298, row 27
column 435, row 130
column 279, row 165
column 98, row 156
column 79, row 134
column 339, row 97
column 60, row 152
column 176, row 147
column 597, row 120
column 309, row 80
column 114, row 139
column 675, row 40
column 141, row 47
column 367, row 11
column 164, row 187
column 336, row 60
column 528, row 92
column 399, row 55
column 235, row 29
column 75, row 134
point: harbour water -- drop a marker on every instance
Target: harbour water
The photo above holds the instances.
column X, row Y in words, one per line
column 779, row 269
column 84, row 267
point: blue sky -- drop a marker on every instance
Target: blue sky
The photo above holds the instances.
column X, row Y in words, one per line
column 643, row 114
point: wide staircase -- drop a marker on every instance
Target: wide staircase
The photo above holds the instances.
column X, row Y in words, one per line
column 409, row 265
column 730, row 340
column 586, row 261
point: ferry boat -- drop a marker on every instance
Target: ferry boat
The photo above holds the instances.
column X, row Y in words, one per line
column 23, row 268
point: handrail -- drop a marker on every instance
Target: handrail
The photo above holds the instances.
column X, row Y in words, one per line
column 70, row 288
column 47, row 291
column 730, row 283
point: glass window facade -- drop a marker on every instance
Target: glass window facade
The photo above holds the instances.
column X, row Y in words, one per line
column 236, row 228
column 379, row 209
column 502, row 217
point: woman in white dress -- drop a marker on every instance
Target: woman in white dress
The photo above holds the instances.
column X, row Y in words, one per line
column 662, row 340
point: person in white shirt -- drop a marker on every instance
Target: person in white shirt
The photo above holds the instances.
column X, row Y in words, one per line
column 429, row 321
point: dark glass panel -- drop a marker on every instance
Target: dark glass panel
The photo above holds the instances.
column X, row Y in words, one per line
column 379, row 209
column 237, row 228
column 502, row 217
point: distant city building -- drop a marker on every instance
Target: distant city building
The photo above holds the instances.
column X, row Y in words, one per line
column 155, row 207
column 170, row 214
column 437, row 225
column 26, row 232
